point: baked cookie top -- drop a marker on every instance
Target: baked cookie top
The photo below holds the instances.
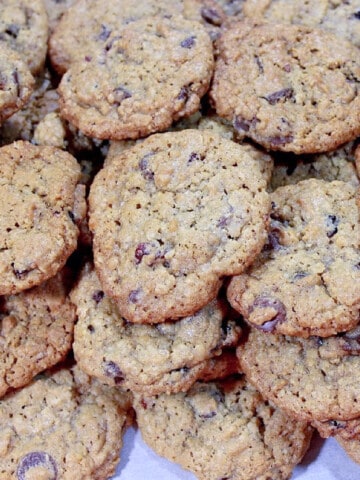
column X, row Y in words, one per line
column 24, row 28
column 336, row 16
column 16, row 83
column 38, row 190
column 146, row 75
column 223, row 430
column 310, row 379
column 146, row 358
column 306, row 280
column 288, row 87
column 36, row 331
column 89, row 23
column 336, row 165
column 171, row 217
column 62, row 422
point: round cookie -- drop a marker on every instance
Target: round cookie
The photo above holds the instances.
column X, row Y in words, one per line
column 16, row 82
column 24, row 28
column 337, row 16
column 336, row 165
column 36, row 332
column 282, row 96
column 171, row 217
column 223, row 430
column 310, row 379
column 146, row 358
column 38, row 195
column 306, row 280
column 87, row 24
column 62, row 423
column 150, row 73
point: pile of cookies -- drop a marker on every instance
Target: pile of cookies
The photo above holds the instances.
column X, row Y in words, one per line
column 179, row 233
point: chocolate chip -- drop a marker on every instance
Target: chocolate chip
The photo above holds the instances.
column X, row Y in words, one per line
column 280, row 140
column 332, row 223
column 241, row 123
column 98, row 296
column 194, row 157
column 113, row 371
column 21, row 273
column 189, row 42
column 273, row 240
column 210, row 15
column 141, row 250
column 72, row 216
column 259, row 64
column 12, row 30
column 184, row 94
column 275, row 97
column 299, row 275
column 147, row 173
column 356, row 15
column 273, row 303
column 16, row 79
column 34, row 460
column 121, row 94
column 134, row 296
column 104, row 33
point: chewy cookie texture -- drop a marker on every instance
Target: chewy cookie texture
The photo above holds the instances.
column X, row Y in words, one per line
column 179, row 234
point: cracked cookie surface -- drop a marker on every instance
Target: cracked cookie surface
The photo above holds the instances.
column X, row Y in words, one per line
column 171, row 217
column 24, row 28
column 148, row 74
column 146, row 358
column 62, row 425
column 36, row 331
column 16, row 83
column 310, row 379
column 38, row 233
column 223, row 430
column 306, row 280
column 288, row 87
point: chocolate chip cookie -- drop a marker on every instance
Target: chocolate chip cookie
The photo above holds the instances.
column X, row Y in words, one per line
column 36, row 331
column 306, row 280
column 16, row 82
column 24, row 28
column 146, row 75
column 38, row 231
column 146, row 358
column 62, row 423
column 171, row 217
column 223, row 430
column 288, row 87
column 310, row 379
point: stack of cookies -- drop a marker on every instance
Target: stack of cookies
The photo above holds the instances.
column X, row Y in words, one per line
column 179, row 233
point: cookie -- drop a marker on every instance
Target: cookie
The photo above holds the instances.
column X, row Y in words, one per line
column 148, row 74
column 61, row 423
column 38, row 231
column 310, row 379
column 306, row 280
column 223, row 430
column 36, row 332
column 89, row 23
column 336, row 16
column 16, row 82
column 24, row 28
column 336, row 165
column 171, row 217
column 146, row 358
column 282, row 97
column 55, row 9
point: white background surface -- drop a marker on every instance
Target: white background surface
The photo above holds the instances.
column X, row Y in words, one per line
column 326, row 460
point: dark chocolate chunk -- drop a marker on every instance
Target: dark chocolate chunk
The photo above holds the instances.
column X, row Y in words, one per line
column 280, row 140
column 104, row 33
column 147, row 173
column 141, row 250
column 332, row 223
column 98, row 296
column 275, row 97
column 210, row 15
column 113, row 371
column 188, row 42
column 134, row 296
column 269, row 302
column 37, row 459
